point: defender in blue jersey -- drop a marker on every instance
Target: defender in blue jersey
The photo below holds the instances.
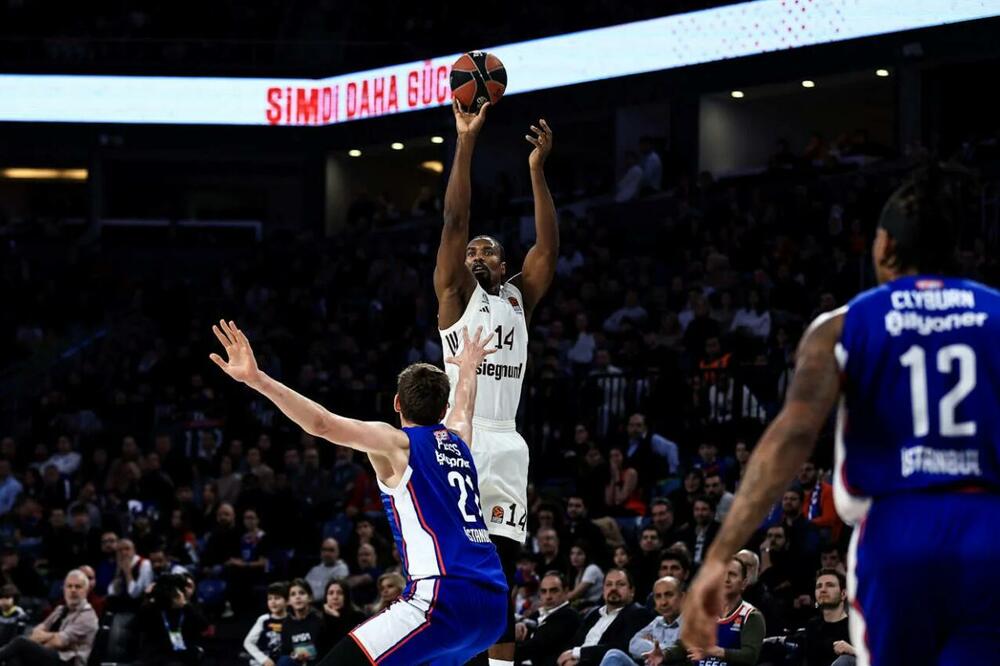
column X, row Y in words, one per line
column 455, row 602
column 915, row 365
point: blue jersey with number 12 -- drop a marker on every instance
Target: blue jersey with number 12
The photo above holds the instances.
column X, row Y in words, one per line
column 434, row 511
column 920, row 358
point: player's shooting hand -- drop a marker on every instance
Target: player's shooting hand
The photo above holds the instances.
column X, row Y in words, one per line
column 542, row 141
column 474, row 350
column 703, row 606
column 469, row 123
column 241, row 366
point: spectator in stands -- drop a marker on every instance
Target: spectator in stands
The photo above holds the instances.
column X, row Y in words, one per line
column 709, row 462
column 753, row 319
column 549, row 556
column 661, row 512
column 647, row 561
column 631, row 181
column 526, row 583
column 652, row 166
column 340, row 614
column 249, row 568
column 586, row 577
column 741, row 626
column 584, row 347
column 675, row 565
column 741, row 452
column 802, row 533
column 830, row 557
column 93, row 597
column 364, row 576
column 13, row 618
column 631, row 314
column 365, row 533
column 716, row 492
column 223, row 543
column 651, row 452
column 230, row 481
column 329, row 567
column 622, row 494
column 786, row 576
column 390, row 586
column 66, row 635
column 263, row 641
column 300, row 636
column 579, row 528
column 817, row 500
column 10, row 488
column 169, row 628
column 656, row 643
column 827, row 638
column 544, row 634
column 683, row 498
column 132, row 577
column 592, row 478
column 163, row 564
column 703, row 529
column 610, row 626
column 83, row 540
column 56, row 551
column 107, row 562
column 757, row 594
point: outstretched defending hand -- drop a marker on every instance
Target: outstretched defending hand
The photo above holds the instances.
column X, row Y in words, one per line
column 241, row 366
column 468, row 123
column 473, row 350
column 542, row 141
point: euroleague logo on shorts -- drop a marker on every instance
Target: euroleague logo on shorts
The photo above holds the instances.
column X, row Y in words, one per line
column 497, row 515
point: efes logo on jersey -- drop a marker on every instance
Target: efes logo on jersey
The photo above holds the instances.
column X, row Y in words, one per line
column 442, row 436
column 497, row 515
column 929, row 284
column 514, row 304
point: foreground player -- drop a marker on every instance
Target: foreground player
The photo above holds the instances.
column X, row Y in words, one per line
column 917, row 361
column 472, row 289
column 455, row 599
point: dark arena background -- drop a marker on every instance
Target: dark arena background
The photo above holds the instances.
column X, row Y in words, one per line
column 718, row 169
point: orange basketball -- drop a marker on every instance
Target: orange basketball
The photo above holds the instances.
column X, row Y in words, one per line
column 476, row 78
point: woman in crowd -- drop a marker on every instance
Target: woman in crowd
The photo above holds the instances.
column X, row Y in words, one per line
column 585, row 576
column 339, row 614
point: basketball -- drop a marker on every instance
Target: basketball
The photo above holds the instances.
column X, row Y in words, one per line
column 476, row 78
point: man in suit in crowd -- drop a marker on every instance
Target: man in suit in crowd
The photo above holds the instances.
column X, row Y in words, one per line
column 609, row 627
column 544, row 634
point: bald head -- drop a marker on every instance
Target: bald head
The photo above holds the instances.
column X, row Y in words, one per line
column 668, row 595
column 751, row 561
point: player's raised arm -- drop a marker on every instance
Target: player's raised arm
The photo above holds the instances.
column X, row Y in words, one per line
column 452, row 279
column 540, row 262
column 468, row 360
column 367, row 436
column 784, row 446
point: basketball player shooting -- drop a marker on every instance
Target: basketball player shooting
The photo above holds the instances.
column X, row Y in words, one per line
column 456, row 597
column 473, row 290
column 915, row 366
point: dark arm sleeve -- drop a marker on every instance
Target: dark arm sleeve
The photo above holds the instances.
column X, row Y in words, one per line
column 751, row 639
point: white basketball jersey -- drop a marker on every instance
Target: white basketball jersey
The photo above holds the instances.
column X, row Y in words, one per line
column 501, row 374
